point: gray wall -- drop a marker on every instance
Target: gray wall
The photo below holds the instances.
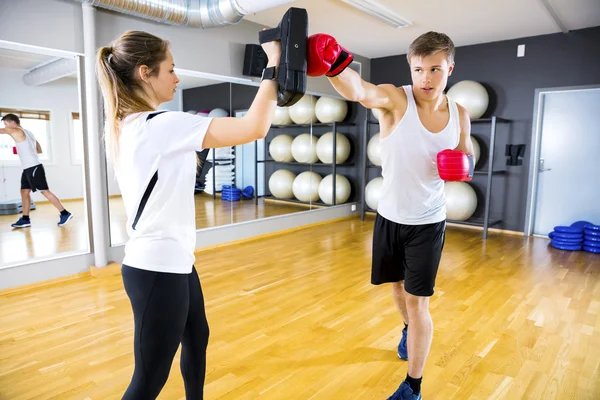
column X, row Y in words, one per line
column 550, row 61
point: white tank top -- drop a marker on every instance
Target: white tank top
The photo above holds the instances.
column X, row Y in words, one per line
column 26, row 150
column 412, row 191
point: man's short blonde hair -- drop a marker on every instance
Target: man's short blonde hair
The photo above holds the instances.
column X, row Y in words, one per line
column 431, row 43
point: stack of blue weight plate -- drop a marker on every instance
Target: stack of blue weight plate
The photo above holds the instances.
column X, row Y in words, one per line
column 591, row 238
column 231, row 193
column 580, row 235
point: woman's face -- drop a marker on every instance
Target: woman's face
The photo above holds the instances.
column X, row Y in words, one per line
column 164, row 84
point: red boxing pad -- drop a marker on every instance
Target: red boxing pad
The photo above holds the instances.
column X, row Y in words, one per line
column 455, row 165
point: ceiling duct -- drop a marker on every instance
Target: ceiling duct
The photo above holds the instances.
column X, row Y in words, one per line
column 51, row 71
column 191, row 13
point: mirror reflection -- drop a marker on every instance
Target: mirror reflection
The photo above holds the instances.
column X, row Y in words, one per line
column 42, row 195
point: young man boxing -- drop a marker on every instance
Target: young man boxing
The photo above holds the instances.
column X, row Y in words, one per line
column 33, row 177
column 425, row 139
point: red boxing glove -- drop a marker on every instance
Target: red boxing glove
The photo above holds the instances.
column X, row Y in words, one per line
column 325, row 56
column 455, row 165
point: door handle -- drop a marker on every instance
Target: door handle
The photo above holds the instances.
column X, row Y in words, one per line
column 542, row 169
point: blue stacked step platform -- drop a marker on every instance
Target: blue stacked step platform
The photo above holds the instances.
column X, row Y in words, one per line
column 580, row 235
column 231, row 193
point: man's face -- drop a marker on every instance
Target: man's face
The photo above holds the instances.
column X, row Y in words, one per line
column 430, row 75
column 9, row 124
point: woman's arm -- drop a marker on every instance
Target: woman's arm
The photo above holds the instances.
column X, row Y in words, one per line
column 257, row 121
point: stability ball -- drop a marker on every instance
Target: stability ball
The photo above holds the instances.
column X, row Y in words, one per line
column 281, row 148
column 374, row 150
column 373, row 192
column 325, row 148
column 306, row 186
column 476, row 148
column 375, row 113
column 304, row 148
column 472, row 96
column 461, row 200
column 281, row 182
column 303, row 112
column 330, row 110
column 342, row 189
column 218, row 113
column 281, row 116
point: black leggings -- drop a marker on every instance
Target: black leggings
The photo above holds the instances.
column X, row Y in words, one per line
column 168, row 309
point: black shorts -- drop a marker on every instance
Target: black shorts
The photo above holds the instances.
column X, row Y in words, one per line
column 409, row 253
column 34, row 178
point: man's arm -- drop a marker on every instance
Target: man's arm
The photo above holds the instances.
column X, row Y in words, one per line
column 327, row 57
column 352, row 87
column 465, row 143
column 38, row 147
column 458, row 164
column 10, row 131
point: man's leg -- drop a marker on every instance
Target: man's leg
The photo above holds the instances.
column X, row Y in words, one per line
column 400, row 300
column 26, row 201
column 53, row 199
column 39, row 180
column 420, row 334
column 24, row 221
column 423, row 250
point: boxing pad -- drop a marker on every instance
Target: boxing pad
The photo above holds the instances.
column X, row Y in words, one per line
column 292, row 32
column 455, row 165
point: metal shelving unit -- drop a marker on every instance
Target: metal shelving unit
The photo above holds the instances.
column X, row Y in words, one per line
column 486, row 222
column 333, row 165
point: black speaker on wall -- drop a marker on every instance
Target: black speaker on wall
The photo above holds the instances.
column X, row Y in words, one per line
column 255, row 60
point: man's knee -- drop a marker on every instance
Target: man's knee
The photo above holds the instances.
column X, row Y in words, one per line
column 25, row 192
column 398, row 288
column 417, row 303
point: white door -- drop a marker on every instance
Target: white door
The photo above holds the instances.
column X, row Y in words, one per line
column 568, row 178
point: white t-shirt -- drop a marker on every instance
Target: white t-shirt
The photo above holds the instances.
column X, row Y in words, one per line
column 413, row 192
column 27, row 150
column 156, row 171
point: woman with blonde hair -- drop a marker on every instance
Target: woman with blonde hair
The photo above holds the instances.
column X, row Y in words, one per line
column 154, row 155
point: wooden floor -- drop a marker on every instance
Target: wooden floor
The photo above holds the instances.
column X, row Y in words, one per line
column 294, row 316
column 45, row 239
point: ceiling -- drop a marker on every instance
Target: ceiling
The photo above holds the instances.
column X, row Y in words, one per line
column 14, row 59
column 467, row 22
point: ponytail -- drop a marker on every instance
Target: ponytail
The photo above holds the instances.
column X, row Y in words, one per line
column 115, row 68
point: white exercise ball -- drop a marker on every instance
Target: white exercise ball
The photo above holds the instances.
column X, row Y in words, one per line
column 306, row 186
column 281, row 183
column 304, row 148
column 476, row 148
column 281, row 116
column 375, row 112
column 330, row 110
column 303, row 112
column 471, row 95
column 461, row 201
column 374, row 150
column 342, row 189
column 280, row 148
column 218, row 113
column 325, row 148
column 373, row 192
